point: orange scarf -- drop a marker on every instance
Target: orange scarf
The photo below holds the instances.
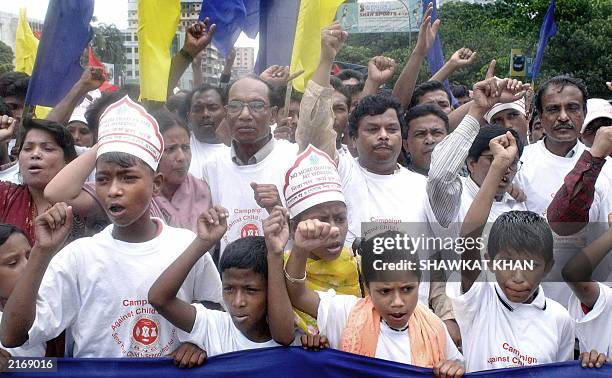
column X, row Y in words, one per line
column 426, row 331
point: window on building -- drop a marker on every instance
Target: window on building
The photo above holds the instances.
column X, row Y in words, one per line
column 129, row 73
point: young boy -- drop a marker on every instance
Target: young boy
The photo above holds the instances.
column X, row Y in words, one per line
column 591, row 304
column 257, row 303
column 388, row 323
column 97, row 287
column 509, row 322
column 313, row 190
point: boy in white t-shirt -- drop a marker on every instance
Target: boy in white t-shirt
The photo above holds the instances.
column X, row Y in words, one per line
column 388, row 323
column 591, row 304
column 257, row 302
column 97, row 287
column 509, row 322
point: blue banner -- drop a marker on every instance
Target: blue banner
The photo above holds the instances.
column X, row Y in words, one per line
column 547, row 31
column 293, row 362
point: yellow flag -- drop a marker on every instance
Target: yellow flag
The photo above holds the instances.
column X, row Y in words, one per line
column 26, row 45
column 157, row 24
column 314, row 15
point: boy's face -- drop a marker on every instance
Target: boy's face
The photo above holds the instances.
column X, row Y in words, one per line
column 335, row 214
column 395, row 301
column 519, row 285
column 126, row 193
column 245, row 296
column 480, row 168
column 13, row 258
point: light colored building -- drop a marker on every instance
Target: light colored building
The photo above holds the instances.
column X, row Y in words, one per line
column 212, row 62
column 244, row 62
column 8, row 28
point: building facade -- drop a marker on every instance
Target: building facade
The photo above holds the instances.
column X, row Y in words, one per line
column 244, row 62
column 8, row 28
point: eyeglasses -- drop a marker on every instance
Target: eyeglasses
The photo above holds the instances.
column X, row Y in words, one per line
column 236, row 106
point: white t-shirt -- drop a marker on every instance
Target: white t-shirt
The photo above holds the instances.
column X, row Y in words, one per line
column 541, row 176
column 201, row 152
column 215, row 332
column 230, row 186
column 333, row 313
column 594, row 329
column 389, row 199
column 98, row 288
column 495, row 336
column 35, row 350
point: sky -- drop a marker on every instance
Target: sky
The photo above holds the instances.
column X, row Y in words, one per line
column 106, row 11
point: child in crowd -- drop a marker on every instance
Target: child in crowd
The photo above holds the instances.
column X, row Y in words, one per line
column 591, row 304
column 14, row 252
column 388, row 323
column 257, row 303
column 509, row 322
column 97, row 287
column 313, row 191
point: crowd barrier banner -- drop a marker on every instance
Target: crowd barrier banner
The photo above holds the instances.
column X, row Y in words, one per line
column 294, row 362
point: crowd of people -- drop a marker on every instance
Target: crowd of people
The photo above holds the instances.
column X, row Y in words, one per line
column 239, row 217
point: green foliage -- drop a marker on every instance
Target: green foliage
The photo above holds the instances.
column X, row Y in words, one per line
column 108, row 46
column 582, row 46
column 6, row 58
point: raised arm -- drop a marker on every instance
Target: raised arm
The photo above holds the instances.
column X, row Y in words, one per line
column 404, row 86
column 316, row 122
column 196, row 67
column 380, row 70
column 52, row 229
column 568, row 212
column 578, row 270
column 280, row 313
column 226, row 75
column 67, row 185
column 91, row 79
column 197, row 37
column 212, row 224
column 309, row 235
column 504, row 151
column 461, row 58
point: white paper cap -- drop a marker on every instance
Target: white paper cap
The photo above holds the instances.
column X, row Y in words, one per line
column 596, row 108
column 78, row 115
column 125, row 126
column 518, row 105
column 313, row 179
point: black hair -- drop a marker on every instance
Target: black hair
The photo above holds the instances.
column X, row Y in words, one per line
column 351, row 74
column 396, row 254
column 99, row 105
column 246, row 253
column 14, row 84
column 5, row 109
column 60, row 135
column 278, row 96
column 186, row 106
column 485, row 134
column 342, row 89
column 425, row 110
column 132, row 90
column 167, row 120
column 521, row 231
column 6, row 230
column 460, row 90
column 175, row 102
column 252, row 77
column 426, row 87
column 534, row 116
column 561, row 81
column 372, row 105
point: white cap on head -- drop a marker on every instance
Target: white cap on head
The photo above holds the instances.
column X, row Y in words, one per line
column 596, row 108
column 125, row 126
column 78, row 115
column 313, row 179
column 517, row 105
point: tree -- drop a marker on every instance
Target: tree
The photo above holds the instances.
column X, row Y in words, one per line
column 108, row 46
column 582, row 46
column 6, row 58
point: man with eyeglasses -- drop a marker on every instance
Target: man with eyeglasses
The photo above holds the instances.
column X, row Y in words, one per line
column 248, row 179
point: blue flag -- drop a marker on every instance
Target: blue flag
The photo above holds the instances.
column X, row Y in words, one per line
column 276, row 33
column 231, row 18
column 64, row 37
column 435, row 56
column 547, row 30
